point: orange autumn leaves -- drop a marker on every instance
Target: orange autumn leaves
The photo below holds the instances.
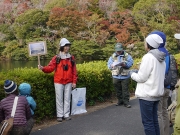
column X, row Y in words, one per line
column 71, row 22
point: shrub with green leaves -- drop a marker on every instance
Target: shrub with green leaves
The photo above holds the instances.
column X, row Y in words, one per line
column 42, row 88
column 95, row 76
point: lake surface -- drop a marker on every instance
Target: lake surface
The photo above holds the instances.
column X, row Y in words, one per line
column 10, row 65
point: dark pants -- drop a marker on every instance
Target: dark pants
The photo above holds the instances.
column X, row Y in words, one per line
column 149, row 116
column 121, row 87
column 23, row 130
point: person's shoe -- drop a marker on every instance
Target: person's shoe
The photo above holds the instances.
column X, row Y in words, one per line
column 68, row 118
column 126, row 105
column 119, row 104
column 59, row 119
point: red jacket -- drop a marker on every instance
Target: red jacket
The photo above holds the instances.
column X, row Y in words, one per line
column 61, row 76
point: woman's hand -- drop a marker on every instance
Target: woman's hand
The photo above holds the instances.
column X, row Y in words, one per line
column 74, row 85
column 40, row 67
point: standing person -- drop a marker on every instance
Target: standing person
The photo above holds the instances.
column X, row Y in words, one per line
column 176, row 126
column 150, row 83
column 119, row 63
column 23, row 121
column 25, row 90
column 163, row 103
column 65, row 78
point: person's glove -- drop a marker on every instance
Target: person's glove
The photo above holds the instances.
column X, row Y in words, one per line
column 172, row 88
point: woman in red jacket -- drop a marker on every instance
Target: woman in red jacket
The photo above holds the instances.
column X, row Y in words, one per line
column 65, row 78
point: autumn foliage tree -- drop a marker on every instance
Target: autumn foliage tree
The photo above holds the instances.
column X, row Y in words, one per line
column 66, row 21
column 93, row 26
column 9, row 10
column 122, row 26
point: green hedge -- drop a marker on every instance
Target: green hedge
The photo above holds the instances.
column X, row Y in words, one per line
column 42, row 88
column 93, row 75
column 96, row 77
column 177, row 57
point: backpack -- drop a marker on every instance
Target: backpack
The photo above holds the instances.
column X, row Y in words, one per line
column 7, row 125
column 171, row 76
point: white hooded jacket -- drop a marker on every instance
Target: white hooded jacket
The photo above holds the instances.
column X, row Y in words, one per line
column 150, row 77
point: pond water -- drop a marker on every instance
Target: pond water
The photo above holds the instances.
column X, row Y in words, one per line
column 10, row 65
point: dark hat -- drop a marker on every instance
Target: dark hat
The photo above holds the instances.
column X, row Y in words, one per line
column 9, row 86
column 118, row 47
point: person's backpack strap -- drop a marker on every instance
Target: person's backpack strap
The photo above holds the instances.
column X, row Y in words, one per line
column 14, row 106
column 72, row 60
column 58, row 59
column 169, row 63
column 114, row 57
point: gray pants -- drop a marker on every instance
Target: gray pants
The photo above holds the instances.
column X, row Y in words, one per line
column 63, row 97
column 23, row 130
column 163, row 113
column 121, row 87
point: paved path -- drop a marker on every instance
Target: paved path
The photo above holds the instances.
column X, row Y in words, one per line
column 112, row 120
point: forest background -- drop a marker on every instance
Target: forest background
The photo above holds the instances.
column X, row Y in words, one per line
column 93, row 26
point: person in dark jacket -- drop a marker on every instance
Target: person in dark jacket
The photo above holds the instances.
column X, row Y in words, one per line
column 162, row 105
column 23, row 122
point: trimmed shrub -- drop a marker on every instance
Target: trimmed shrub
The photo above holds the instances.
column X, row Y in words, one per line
column 42, row 88
column 95, row 76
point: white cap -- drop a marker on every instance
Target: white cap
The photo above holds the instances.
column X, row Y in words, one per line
column 63, row 42
column 154, row 40
column 177, row 36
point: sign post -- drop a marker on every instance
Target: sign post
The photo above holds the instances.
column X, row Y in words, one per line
column 39, row 59
column 37, row 49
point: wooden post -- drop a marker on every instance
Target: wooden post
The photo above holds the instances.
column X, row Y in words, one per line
column 39, row 59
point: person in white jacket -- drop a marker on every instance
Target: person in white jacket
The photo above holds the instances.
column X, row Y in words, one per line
column 150, row 83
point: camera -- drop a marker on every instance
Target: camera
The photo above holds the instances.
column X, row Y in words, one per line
column 65, row 67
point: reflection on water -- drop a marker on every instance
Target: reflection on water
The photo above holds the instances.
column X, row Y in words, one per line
column 9, row 65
